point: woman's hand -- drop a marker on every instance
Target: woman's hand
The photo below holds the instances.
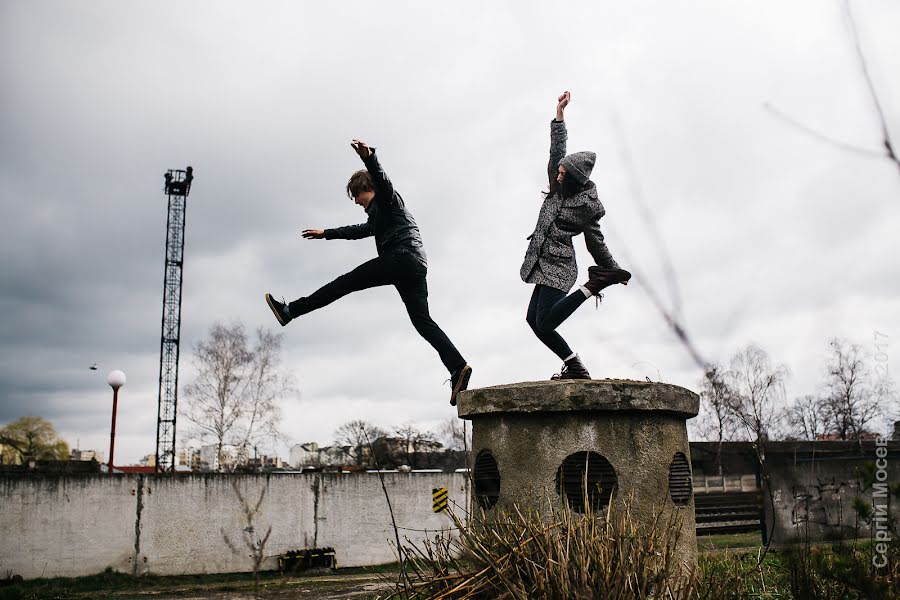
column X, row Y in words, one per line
column 563, row 101
column 314, row 234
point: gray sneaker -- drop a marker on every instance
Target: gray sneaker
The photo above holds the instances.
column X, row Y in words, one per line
column 280, row 309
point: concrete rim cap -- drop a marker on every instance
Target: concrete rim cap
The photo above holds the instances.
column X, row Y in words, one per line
column 115, row 379
column 579, row 395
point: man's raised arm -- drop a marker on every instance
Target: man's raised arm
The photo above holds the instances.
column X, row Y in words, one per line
column 383, row 185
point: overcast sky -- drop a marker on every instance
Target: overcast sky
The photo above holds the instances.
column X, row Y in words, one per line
column 775, row 237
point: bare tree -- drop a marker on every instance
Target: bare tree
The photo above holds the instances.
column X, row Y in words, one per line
column 408, row 434
column 266, row 386
column 358, row 435
column 456, row 435
column 719, row 422
column 806, row 417
column 412, row 441
column 853, row 397
column 234, row 398
column 758, row 390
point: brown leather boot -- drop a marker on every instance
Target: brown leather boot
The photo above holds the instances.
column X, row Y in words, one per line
column 573, row 369
column 598, row 278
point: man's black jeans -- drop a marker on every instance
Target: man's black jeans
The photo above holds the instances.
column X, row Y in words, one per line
column 548, row 308
column 405, row 273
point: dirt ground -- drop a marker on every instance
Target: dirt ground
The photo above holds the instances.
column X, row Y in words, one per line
column 324, row 587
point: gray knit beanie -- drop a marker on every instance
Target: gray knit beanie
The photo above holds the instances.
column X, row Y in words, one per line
column 579, row 165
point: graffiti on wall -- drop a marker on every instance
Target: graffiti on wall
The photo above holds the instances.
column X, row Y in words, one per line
column 835, row 506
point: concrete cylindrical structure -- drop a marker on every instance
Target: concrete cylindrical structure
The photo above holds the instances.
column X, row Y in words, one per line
column 537, row 440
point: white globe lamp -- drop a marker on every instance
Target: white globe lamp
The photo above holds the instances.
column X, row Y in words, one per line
column 115, row 379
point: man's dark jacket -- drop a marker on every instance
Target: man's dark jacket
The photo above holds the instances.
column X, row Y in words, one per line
column 394, row 228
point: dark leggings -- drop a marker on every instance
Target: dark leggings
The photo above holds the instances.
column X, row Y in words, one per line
column 407, row 275
column 548, row 308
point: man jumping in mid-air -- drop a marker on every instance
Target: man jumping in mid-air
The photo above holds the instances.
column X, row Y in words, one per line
column 400, row 262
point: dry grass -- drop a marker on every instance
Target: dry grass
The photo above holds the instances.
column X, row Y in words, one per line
column 556, row 554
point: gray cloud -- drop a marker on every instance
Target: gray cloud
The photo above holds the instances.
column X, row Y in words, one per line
column 775, row 237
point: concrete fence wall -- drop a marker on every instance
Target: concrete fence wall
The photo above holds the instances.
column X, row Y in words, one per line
column 811, row 497
column 74, row 526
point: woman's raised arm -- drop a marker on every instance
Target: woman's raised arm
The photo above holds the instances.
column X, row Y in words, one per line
column 558, row 137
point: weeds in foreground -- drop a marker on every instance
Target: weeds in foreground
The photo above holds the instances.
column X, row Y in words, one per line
column 731, row 573
column 558, row 554
column 562, row 554
column 844, row 571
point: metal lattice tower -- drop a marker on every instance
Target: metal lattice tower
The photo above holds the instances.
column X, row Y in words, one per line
column 178, row 186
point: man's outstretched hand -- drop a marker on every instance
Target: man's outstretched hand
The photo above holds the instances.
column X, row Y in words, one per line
column 314, row 234
column 361, row 148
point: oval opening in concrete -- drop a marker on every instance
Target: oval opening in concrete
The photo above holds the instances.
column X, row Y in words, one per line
column 680, row 487
column 486, row 477
column 586, row 480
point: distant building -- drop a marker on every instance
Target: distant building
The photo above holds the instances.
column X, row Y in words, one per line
column 312, row 455
column 389, row 452
column 338, row 456
column 407, row 446
column 304, row 455
column 210, row 460
column 188, row 459
column 264, row 462
column 76, row 454
column 133, row 469
column 148, row 461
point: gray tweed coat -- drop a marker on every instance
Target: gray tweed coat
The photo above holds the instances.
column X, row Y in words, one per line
column 550, row 258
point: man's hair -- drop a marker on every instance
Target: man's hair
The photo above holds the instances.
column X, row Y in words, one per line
column 360, row 181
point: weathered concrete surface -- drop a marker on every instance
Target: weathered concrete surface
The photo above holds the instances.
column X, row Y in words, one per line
column 67, row 526
column 531, row 428
column 579, row 395
column 811, row 488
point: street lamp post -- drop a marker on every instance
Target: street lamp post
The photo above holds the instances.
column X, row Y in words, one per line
column 115, row 379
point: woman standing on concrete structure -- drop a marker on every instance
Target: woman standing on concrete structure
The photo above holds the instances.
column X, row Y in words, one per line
column 570, row 207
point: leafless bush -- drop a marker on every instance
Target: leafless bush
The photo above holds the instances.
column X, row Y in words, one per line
column 252, row 541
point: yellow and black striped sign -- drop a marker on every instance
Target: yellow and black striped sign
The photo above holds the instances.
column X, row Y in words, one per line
column 439, row 499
